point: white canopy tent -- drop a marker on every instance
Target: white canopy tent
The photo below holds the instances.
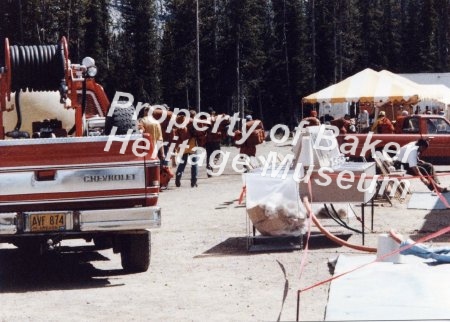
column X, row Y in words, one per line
column 427, row 92
column 366, row 86
column 369, row 86
column 437, row 92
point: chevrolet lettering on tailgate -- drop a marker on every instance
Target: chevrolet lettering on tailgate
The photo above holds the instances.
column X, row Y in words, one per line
column 110, row 177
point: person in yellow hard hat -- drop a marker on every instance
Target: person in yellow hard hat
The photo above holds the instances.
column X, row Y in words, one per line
column 382, row 124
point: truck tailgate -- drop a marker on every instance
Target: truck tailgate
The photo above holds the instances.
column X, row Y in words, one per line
column 74, row 173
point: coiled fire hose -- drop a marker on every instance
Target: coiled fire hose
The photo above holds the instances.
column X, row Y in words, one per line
column 36, row 68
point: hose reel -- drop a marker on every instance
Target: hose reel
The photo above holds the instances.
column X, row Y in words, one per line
column 35, row 68
column 42, row 68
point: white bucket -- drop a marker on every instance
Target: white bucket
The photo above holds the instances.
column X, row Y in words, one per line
column 387, row 245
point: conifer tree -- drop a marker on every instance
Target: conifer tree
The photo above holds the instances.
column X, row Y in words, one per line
column 137, row 63
column 178, row 54
column 96, row 37
column 427, row 37
column 442, row 8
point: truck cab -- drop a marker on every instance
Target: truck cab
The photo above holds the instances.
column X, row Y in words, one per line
column 435, row 128
column 423, row 124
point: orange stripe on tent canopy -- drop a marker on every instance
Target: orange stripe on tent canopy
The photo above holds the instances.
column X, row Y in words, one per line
column 366, row 86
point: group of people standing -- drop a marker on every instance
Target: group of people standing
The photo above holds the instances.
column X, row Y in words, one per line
column 187, row 140
column 408, row 157
column 346, row 124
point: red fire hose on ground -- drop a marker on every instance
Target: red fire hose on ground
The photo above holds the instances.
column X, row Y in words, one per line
column 329, row 235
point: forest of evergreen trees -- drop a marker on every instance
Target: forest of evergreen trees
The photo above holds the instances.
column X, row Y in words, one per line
column 261, row 55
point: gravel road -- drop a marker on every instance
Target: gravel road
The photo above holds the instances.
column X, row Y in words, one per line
column 201, row 269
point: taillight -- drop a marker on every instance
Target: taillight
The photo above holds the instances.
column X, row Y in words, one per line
column 152, row 175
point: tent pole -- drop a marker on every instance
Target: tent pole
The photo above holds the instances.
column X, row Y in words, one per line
column 393, row 115
column 302, row 109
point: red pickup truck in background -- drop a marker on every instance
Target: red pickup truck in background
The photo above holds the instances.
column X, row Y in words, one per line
column 435, row 128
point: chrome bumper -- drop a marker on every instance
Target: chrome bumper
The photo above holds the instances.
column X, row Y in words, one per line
column 120, row 219
column 7, row 223
column 95, row 220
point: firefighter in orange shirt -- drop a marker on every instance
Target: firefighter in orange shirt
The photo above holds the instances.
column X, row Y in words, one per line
column 382, row 124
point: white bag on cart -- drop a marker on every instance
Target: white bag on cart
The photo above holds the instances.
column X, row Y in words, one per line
column 273, row 203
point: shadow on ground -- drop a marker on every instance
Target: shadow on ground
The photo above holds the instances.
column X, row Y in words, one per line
column 243, row 246
column 320, row 241
column 67, row 269
column 226, row 204
column 435, row 220
column 233, row 246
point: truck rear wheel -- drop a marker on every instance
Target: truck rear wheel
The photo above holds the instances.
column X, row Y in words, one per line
column 122, row 118
column 135, row 252
column 103, row 242
column 30, row 246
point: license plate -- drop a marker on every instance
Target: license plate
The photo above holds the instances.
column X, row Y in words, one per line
column 47, row 222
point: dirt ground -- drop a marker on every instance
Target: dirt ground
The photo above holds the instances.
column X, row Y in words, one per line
column 201, row 269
